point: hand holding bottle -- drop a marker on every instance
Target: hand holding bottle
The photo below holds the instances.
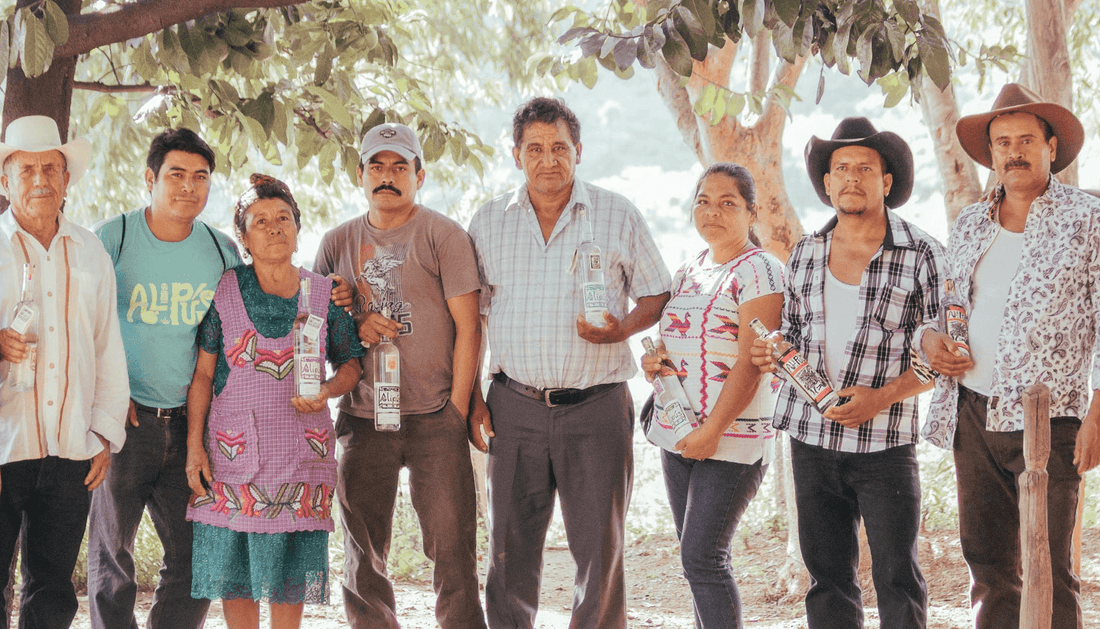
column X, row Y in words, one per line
column 12, row 346
column 375, row 325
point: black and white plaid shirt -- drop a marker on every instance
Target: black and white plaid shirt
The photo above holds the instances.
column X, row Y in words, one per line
column 899, row 290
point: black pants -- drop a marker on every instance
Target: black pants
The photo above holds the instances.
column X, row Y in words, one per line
column 51, row 495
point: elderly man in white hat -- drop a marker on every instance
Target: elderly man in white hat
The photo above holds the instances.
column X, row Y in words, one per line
column 57, row 431
column 1024, row 266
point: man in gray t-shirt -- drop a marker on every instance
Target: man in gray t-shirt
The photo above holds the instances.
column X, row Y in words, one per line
column 419, row 266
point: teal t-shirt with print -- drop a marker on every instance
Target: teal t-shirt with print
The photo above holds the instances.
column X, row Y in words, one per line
column 164, row 290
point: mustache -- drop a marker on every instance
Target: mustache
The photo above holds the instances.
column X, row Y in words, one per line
column 386, row 187
column 1017, row 163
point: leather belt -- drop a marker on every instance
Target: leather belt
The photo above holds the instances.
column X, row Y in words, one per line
column 552, row 397
column 163, row 413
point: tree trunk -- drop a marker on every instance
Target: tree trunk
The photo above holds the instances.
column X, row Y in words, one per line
column 48, row 95
column 1047, row 61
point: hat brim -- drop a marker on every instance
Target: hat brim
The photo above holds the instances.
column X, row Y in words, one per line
column 899, row 162
column 973, row 132
column 400, row 150
column 78, row 155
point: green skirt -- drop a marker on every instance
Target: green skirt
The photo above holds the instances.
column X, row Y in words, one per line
column 286, row 568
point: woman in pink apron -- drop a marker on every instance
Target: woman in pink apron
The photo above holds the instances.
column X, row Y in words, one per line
column 261, row 460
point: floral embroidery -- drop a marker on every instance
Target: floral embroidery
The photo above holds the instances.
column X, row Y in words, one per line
column 231, row 445
column 276, row 364
column 318, row 441
column 254, row 502
column 244, row 350
column 322, row 501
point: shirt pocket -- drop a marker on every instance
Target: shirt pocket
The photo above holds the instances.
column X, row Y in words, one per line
column 315, row 442
column 894, row 308
column 234, row 450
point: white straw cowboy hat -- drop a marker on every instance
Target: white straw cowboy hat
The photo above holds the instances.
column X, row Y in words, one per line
column 37, row 134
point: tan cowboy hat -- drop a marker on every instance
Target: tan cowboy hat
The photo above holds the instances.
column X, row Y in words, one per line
column 37, row 134
column 858, row 131
column 973, row 131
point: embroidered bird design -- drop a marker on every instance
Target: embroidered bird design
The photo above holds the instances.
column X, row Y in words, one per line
column 276, row 364
column 723, row 373
column 679, row 326
column 318, row 441
column 729, row 326
column 244, row 350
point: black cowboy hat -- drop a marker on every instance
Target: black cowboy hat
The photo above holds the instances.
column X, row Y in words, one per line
column 973, row 131
column 858, row 131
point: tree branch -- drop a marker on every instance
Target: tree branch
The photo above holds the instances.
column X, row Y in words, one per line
column 107, row 88
column 679, row 105
column 89, row 31
column 785, row 74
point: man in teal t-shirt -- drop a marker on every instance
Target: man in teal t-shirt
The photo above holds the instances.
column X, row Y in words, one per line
column 167, row 263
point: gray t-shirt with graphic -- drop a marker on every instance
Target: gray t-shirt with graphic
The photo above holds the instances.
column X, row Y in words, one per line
column 413, row 270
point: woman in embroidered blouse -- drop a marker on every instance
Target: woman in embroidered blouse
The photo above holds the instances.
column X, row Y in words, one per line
column 262, row 466
column 705, row 339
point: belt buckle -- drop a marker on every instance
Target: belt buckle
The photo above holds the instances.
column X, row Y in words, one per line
column 164, row 413
column 546, row 396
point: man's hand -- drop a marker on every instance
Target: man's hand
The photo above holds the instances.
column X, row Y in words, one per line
column 610, row 333
column 100, row 463
column 699, row 444
column 761, row 354
column 342, row 294
column 944, row 355
column 1086, row 453
column 864, row 404
column 659, row 365
column 131, row 414
column 478, row 421
column 197, row 469
column 12, row 347
column 374, row 326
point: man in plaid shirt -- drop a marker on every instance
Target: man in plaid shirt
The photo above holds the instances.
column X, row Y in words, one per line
column 857, row 290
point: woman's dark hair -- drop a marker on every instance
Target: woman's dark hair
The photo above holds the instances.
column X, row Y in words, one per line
column 548, row 110
column 263, row 187
column 184, row 140
column 745, row 186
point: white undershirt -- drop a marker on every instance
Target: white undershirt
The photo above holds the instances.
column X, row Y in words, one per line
column 992, row 277
column 841, row 312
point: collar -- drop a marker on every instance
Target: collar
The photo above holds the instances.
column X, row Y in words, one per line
column 1055, row 190
column 65, row 228
column 897, row 234
column 521, row 199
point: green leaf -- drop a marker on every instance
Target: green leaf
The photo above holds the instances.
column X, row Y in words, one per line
column 865, row 53
column 820, row 86
column 592, row 44
column 702, row 12
column 5, row 46
column 279, row 122
column 908, row 10
column 840, row 47
column 788, row 10
column 588, row 72
column 625, row 53
column 37, row 52
column 896, row 36
column 675, row 51
column 936, row 60
column 326, row 162
column 324, row 65
column 705, row 102
column 719, row 111
column 57, row 25
column 333, row 106
column 652, row 40
column 254, row 129
column 736, row 104
column 691, row 30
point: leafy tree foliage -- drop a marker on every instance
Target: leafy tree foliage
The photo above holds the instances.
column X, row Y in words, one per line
column 290, row 88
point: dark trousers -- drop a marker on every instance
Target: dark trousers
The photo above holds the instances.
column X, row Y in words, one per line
column 708, row 499
column 51, row 495
column 833, row 490
column 988, row 467
column 434, row 448
column 582, row 453
column 147, row 472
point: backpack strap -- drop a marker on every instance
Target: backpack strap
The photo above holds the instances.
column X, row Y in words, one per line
column 122, row 239
column 216, row 246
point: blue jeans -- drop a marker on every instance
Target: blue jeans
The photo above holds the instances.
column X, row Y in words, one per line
column 49, row 496
column 708, row 499
column 147, row 472
column 833, row 490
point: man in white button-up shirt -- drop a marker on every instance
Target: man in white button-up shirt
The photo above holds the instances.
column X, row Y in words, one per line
column 56, row 438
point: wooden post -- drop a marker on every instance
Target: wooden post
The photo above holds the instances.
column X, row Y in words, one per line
column 1036, row 606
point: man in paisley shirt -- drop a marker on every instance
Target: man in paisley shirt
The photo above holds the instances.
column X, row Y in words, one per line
column 1024, row 265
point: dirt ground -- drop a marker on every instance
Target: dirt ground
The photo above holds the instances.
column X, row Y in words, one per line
column 657, row 594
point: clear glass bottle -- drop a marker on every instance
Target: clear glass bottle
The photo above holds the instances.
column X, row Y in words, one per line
column 672, row 398
column 955, row 318
column 25, row 322
column 593, row 285
column 811, row 383
column 309, row 369
column 387, row 384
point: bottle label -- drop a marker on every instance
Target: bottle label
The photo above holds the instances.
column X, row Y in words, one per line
column 391, row 363
column 311, row 331
column 387, row 403
column 595, row 263
column 595, row 296
column 677, row 417
column 22, row 320
column 816, row 387
column 659, row 387
column 955, row 317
